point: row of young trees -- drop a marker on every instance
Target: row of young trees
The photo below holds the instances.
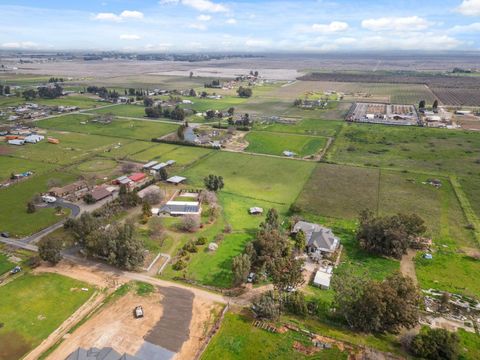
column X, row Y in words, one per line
column 157, row 111
column 4, row 89
column 44, row 92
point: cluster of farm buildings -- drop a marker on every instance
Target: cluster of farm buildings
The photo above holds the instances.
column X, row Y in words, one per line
column 31, row 111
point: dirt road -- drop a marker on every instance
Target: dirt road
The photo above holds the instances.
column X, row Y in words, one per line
column 407, row 265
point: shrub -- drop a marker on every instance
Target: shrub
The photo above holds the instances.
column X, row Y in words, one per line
column 189, row 223
column 202, row 240
column 179, row 265
column 190, row 247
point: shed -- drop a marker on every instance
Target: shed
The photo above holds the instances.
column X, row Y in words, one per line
column 176, row 179
column 33, row 139
column 212, row 246
column 137, row 177
column 16, row 142
column 288, row 153
column 428, row 256
column 255, row 210
column 178, row 208
column 158, row 167
column 150, row 164
column 170, row 162
column 100, row 193
column 322, row 279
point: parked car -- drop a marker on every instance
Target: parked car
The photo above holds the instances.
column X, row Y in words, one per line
column 5, row 234
column 251, row 277
column 15, row 270
column 138, row 312
column 49, row 199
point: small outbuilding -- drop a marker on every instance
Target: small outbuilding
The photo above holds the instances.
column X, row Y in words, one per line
column 322, row 279
column 149, row 165
column 100, row 193
column 255, row 210
column 212, row 247
column 176, row 180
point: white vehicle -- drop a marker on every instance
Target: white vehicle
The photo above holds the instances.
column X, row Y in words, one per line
column 49, row 199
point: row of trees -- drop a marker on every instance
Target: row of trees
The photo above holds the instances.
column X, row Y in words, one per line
column 103, row 92
column 157, row 111
column 45, row 92
column 4, row 89
column 422, row 105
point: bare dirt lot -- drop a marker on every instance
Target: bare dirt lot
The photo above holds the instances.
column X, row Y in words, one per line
column 175, row 325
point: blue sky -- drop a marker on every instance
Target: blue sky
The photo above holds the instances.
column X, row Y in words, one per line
column 247, row 25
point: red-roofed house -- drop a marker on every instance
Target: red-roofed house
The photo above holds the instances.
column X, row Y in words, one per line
column 137, row 177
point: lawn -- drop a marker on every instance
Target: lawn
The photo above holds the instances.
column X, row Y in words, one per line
column 73, row 147
column 9, row 165
column 239, row 339
column 449, row 270
column 129, row 129
column 471, row 185
column 82, row 101
column 270, row 179
column 97, row 165
column 202, row 105
column 127, row 110
column 127, row 150
column 5, row 265
column 275, row 143
column 30, row 311
column 13, row 202
column 312, row 127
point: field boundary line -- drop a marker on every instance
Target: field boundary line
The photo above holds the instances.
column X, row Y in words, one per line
column 212, row 333
column 466, row 206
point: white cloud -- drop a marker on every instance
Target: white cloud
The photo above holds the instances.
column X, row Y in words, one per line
column 129, row 14
column 168, row 2
column 411, row 23
column 198, row 26
column 130, row 37
column 124, row 15
column 469, row 8
column 107, row 17
column 334, row 26
column 231, row 21
column 205, row 5
column 463, row 29
column 19, row 45
column 203, row 17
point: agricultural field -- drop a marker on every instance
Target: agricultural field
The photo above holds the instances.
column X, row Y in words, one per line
column 13, row 203
column 433, row 151
column 344, row 191
column 73, row 147
column 82, row 101
column 223, row 104
column 10, row 165
column 29, row 310
column 127, row 150
column 126, row 110
column 264, row 142
column 251, row 176
column 457, row 96
column 127, row 129
column 471, row 185
column 313, row 127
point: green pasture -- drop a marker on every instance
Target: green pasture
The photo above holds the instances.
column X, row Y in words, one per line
column 275, row 143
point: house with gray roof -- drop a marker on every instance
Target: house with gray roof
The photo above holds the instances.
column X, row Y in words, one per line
column 179, row 208
column 319, row 238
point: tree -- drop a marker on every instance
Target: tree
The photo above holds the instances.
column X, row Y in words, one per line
column 208, row 197
column 271, row 220
column 192, row 93
column 286, row 272
column 81, row 227
column 178, row 114
column 128, row 167
column 31, row 207
column 266, row 306
column 181, row 131
column 209, row 114
column 268, row 246
column 128, row 199
column 191, row 74
column 241, row 268
column 300, row 240
column 189, row 223
column 153, row 111
column 231, row 111
column 156, row 228
column 146, row 210
column 213, row 182
column 421, row 104
column 435, row 105
column 388, row 236
column 244, row 92
column 147, row 101
column 434, row 344
column 29, row 94
column 153, row 197
column 377, row 307
column 89, row 199
column 6, row 90
column 50, row 249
